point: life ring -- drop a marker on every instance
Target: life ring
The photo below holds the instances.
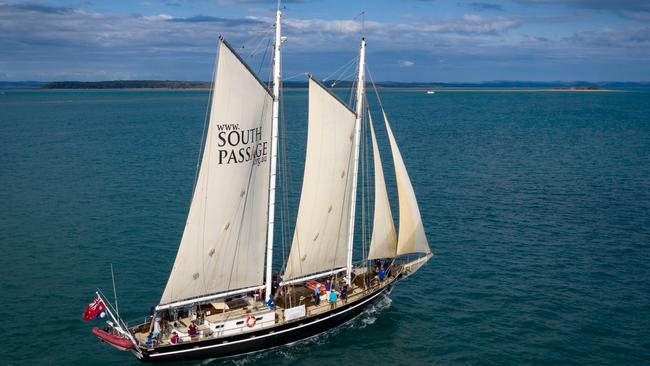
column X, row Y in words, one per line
column 251, row 321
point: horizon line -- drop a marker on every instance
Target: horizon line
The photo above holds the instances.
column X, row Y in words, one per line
column 339, row 80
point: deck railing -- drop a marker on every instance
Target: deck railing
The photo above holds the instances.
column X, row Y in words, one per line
column 260, row 309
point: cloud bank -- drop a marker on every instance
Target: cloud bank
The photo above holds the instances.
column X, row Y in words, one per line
column 44, row 42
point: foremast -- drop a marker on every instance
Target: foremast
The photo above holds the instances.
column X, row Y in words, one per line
column 357, row 139
column 274, row 151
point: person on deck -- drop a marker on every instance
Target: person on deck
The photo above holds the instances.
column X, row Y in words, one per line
column 328, row 286
column 156, row 328
column 174, row 339
column 344, row 293
column 333, row 299
column 150, row 341
column 317, row 295
column 275, row 285
column 192, row 331
column 166, row 328
column 381, row 273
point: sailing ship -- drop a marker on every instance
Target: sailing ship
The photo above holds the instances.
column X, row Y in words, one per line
column 222, row 298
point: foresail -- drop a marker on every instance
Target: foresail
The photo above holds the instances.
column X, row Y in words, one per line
column 384, row 240
column 411, row 238
column 321, row 234
column 224, row 240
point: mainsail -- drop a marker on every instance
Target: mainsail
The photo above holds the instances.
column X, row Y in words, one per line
column 411, row 238
column 383, row 243
column 224, row 241
column 321, row 235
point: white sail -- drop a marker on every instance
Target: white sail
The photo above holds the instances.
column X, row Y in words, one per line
column 224, row 241
column 383, row 243
column 411, row 238
column 321, row 234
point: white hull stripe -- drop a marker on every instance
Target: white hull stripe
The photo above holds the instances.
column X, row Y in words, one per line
column 269, row 334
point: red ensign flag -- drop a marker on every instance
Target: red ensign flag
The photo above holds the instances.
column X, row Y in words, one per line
column 93, row 309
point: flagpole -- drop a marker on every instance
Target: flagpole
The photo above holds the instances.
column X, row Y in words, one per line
column 117, row 309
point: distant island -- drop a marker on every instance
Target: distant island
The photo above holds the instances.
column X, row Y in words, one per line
column 200, row 85
column 128, row 84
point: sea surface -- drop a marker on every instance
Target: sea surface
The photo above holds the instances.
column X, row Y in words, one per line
column 536, row 205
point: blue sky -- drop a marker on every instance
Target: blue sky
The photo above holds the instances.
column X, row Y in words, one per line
column 408, row 40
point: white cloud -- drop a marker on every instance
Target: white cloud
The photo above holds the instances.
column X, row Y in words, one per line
column 406, row 63
column 158, row 17
column 467, row 25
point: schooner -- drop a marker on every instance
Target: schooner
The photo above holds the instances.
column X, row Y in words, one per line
column 222, row 298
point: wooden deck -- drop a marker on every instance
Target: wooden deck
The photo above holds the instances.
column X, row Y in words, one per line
column 256, row 308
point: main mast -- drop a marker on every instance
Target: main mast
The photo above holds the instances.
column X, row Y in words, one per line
column 357, row 138
column 274, row 151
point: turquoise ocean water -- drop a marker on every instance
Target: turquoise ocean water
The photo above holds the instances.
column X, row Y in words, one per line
column 537, row 206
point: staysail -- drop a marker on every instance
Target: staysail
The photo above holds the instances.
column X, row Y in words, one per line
column 224, row 240
column 411, row 238
column 321, row 234
column 383, row 243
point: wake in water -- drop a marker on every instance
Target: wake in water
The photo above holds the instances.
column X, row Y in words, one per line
column 369, row 316
column 289, row 351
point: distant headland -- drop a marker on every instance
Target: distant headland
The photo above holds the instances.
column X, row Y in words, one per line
column 199, row 85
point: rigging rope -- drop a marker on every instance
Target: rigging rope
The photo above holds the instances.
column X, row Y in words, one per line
column 363, row 187
column 367, row 172
column 284, row 206
column 345, row 65
column 266, row 50
column 205, row 122
column 261, row 37
column 304, row 73
column 381, row 106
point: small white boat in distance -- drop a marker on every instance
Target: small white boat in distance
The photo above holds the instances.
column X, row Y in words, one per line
column 431, row 92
